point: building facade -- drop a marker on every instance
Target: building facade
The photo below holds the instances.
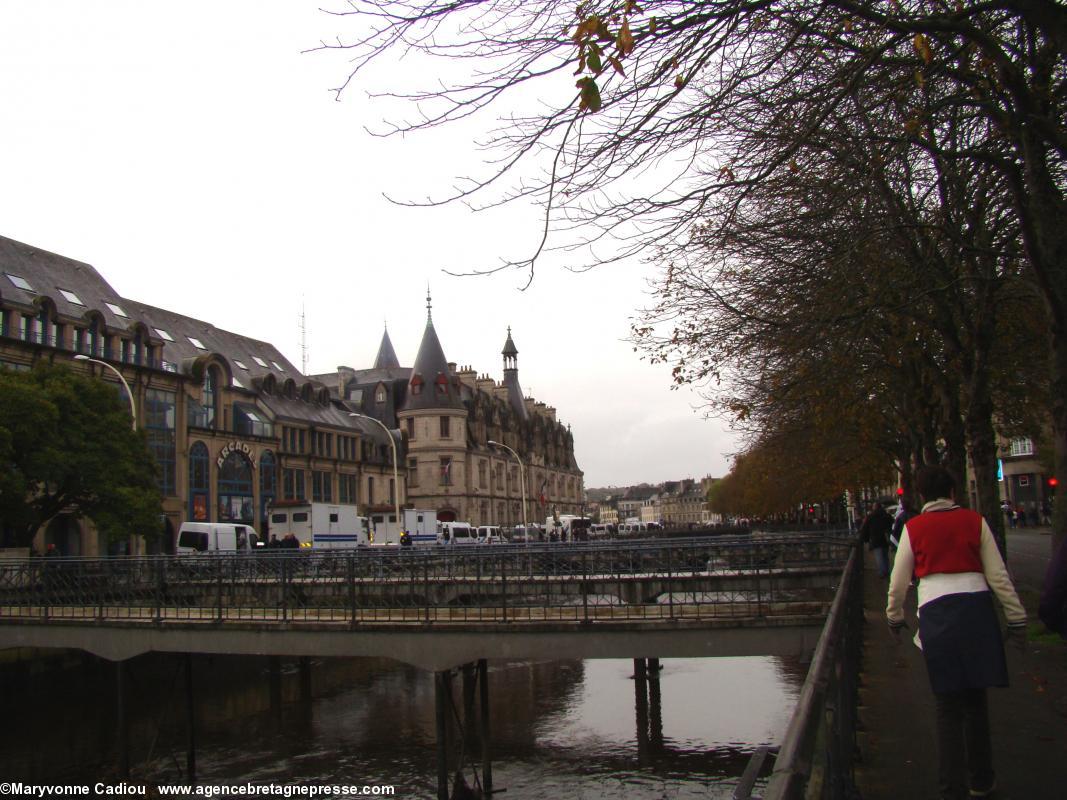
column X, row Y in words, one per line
column 232, row 424
column 449, row 419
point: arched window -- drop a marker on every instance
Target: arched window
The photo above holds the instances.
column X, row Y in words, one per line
column 199, row 483
column 235, row 489
column 268, row 489
column 210, row 396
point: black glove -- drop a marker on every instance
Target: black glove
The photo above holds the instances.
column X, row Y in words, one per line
column 896, row 627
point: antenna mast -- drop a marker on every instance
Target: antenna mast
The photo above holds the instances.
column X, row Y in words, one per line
column 303, row 339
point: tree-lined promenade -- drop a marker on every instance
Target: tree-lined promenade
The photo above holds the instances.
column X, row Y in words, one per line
column 856, row 210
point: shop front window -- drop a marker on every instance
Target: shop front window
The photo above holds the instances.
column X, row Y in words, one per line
column 235, row 489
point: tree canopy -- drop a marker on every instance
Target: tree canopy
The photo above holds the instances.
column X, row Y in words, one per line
column 67, row 447
column 856, row 207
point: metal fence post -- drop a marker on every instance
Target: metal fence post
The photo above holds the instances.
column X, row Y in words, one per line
column 161, row 566
column 218, row 593
column 504, row 587
column 585, row 587
column 426, row 587
column 670, row 582
column 350, row 576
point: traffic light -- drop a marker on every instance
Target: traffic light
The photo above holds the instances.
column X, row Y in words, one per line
column 1053, row 482
column 900, row 491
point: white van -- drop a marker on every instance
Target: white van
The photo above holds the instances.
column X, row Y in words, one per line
column 522, row 535
column 212, row 537
column 456, row 534
column 490, row 534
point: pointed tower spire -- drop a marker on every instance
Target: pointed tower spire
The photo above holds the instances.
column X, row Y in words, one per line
column 432, row 384
column 386, row 354
column 511, row 377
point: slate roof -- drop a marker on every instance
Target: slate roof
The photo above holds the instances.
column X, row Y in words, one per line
column 431, row 368
column 47, row 273
column 386, row 357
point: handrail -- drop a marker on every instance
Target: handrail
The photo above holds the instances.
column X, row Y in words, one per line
column 816, row 755
column 580, row 582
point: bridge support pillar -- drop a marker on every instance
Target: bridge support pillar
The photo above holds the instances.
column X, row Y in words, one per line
column 305, row 678
column 655, row 706
column 274, row 679
column 641, row 709
column 487, row 760
column 190, row 715
column 443, row 702
column 122, row 723
column 649, row 708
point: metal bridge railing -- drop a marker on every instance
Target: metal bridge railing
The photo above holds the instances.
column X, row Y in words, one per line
column 750, row 576
column 815, row 760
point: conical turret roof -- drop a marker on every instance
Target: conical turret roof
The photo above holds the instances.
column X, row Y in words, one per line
column 386, row 354
column 431, row 385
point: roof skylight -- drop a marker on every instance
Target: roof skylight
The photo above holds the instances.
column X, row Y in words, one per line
column 240, row 364
column 199, row 345
column 71, row 297
column 19, row 281
column 116, row 309
column 163, row 334
column 277, row 366
column 259, row 361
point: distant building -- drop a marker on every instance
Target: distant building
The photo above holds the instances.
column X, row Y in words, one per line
column 234, row 426
column 232, row 423
column 447, row 417
column 1024, row 481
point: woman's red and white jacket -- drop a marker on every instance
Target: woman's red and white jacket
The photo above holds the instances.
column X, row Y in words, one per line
column 956, row 554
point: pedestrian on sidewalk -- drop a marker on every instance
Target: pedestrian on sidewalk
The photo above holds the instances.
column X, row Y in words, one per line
column 875, row 532
column 952, row 552
column 904, row 513
column 1053, row 608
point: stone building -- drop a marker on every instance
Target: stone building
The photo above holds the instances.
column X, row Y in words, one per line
column 232, row 424
column 448, row 416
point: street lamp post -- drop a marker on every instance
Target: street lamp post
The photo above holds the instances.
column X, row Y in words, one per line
column 129, row 394
column 396, row 476
column 522, row 480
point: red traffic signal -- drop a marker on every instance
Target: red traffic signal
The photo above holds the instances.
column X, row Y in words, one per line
column 1053, row 481
column 900, row 491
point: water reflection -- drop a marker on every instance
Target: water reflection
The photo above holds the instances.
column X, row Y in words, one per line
column 560, row 729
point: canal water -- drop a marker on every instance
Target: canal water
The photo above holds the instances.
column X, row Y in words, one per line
column 560, row 729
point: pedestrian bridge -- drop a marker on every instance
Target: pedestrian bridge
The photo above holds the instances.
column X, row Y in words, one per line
column 758, row 594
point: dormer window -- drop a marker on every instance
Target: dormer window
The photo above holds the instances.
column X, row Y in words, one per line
column 416, row 385
column 379, row 394
column 442, row 384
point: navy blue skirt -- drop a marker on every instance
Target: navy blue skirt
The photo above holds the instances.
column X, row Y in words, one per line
column 960, row 634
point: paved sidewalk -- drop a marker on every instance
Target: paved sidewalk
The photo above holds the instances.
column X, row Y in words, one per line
column 897, row 737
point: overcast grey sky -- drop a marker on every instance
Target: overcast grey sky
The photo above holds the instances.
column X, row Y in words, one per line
column 192, row 155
